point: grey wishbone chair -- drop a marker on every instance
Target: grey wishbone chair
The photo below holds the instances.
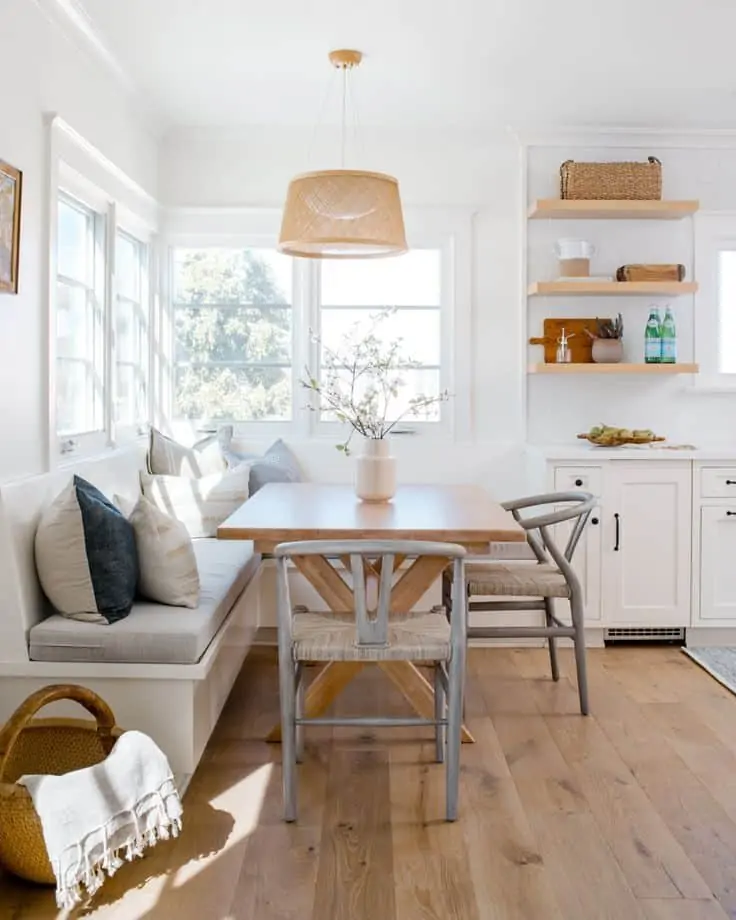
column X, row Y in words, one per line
column 538, row 585
column 372, row 636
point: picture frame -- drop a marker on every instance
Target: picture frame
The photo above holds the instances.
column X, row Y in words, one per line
column 11, row 188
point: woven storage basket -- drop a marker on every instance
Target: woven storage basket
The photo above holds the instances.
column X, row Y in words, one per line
column 611, row 181
column 54, row 746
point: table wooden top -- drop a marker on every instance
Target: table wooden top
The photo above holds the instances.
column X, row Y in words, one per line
column 280, row 512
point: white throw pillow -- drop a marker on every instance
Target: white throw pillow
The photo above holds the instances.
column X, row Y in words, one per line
column 167, row 566
column 200, row 504
column 167, row 457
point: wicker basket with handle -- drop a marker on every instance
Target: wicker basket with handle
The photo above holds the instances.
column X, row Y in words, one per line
column 53, row 746
column 611, row 181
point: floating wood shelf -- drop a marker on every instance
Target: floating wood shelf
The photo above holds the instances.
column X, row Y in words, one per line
column 617, row 288
column 565, row 209
column 652, row 369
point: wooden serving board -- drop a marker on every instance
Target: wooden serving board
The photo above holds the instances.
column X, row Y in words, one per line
column 581, row 346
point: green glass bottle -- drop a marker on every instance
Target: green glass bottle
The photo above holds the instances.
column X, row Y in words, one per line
column 669, row 338
column 653, row 338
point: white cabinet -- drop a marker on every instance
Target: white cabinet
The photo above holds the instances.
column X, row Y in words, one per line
column 634, row 562
column 718, row 564
column 646, row 537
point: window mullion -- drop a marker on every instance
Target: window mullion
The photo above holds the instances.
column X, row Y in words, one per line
column 110, row 315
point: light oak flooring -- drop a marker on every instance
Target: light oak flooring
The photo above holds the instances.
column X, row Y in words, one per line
column 629, row 814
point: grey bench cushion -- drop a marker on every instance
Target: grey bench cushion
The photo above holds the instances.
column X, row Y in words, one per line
column 154, row 633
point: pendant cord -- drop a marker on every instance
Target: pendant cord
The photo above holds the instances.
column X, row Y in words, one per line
column 344, row 115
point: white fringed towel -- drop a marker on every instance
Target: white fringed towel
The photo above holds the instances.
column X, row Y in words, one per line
column 95, row 818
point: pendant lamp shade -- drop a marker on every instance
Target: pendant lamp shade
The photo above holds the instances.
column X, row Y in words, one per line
column 343, row 214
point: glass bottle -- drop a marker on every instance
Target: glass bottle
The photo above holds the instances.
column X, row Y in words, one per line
column 669, row 338
column 653, row 338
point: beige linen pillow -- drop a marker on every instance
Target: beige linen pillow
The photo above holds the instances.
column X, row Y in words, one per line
column 200, row 504
column 169, row 458
column 167, row 566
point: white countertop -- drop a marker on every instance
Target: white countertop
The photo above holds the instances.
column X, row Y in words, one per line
column 580, row 451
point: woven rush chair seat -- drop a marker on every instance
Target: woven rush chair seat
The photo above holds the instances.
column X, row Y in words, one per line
column 369, row 623
column 520, row 579
column 320, row 636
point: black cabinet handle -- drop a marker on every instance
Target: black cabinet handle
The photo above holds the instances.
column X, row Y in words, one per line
column 731, row 513
column 579, row 482
column 731, row 482
column 594, row 520
column 618, row 532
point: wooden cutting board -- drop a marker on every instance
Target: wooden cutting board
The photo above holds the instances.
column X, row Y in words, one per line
column 581, row 345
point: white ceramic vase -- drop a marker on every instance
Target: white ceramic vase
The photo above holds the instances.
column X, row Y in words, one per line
column 375, row 471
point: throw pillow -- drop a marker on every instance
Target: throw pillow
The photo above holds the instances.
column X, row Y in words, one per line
column 278, row 464
column 86, row 555
column 167, row 566
column 200, row 504
column 169, row 458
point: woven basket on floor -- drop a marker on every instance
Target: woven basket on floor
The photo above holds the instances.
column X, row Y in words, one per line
column 52, row 746
column 611, row 181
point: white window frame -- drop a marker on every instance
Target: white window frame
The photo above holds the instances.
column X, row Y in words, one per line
column 714, row 232
column 127, row 224
column 80, row 171
column 254, row 429
column 449, row 230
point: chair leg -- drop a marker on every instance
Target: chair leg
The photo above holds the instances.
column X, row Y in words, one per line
column 456, row 680
column 551, row 641
column 578, row 619
column 287, row 692
column 299, row 711
column 439, row 713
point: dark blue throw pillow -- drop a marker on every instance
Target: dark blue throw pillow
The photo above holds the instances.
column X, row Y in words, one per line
column 86, row 555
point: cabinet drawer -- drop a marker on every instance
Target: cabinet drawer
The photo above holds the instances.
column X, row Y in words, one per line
column 718, row 482
column 571, row 478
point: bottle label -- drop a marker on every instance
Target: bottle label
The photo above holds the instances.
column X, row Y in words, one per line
column 652, row 350
column 669, row 350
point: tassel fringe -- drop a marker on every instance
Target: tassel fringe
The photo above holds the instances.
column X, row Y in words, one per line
column 123, row 839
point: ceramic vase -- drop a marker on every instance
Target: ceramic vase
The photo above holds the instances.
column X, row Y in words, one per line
column 375, row 471
column 608, row 351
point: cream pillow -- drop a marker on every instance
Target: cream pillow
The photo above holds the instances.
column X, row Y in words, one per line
column 167, row 566
column 169, row 458
column 200, row 504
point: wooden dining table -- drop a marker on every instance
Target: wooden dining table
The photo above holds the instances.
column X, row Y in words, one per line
column 284, row 512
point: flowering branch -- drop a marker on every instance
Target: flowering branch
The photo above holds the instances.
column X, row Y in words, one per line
column 362, row 378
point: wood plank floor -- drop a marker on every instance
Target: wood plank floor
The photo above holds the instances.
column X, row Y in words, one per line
column 629, row 814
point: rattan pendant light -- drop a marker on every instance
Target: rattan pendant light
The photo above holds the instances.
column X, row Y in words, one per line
column 343, row 213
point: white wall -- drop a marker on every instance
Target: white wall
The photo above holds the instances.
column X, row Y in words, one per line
column 42, row 70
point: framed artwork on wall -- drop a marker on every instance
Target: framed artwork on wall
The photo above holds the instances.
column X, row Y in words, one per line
column 11, row 181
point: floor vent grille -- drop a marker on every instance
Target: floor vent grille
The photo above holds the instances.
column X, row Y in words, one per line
column 644, row 634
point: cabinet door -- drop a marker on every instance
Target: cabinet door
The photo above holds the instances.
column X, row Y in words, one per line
column 646, row 545
column 587, row 565
column 718, row 563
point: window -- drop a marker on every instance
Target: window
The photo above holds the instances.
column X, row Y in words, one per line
column 355, row 296
column 715, row 307
column 132, row 321
column 727, row 311
column 80, row 319
column 232, row 313
column 102, row 322
column 239, row 320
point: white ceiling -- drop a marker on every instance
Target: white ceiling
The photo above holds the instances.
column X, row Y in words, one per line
column 467, row 63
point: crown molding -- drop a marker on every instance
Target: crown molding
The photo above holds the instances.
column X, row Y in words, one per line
column 626, row 136
column 71, row 17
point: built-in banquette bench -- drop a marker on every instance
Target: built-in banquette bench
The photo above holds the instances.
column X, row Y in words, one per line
column 166, row 671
